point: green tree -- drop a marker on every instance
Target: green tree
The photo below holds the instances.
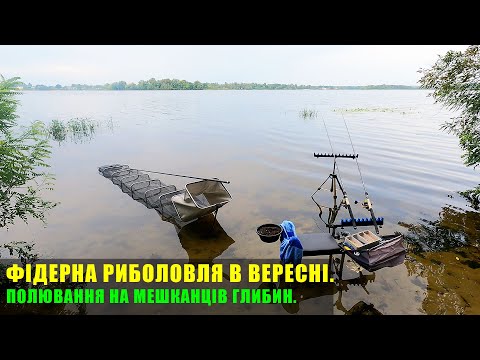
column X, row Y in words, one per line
column 23, row 152
column 455, row 81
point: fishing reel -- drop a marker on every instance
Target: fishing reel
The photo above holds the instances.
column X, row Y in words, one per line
column 366, row 204
column 345, row 202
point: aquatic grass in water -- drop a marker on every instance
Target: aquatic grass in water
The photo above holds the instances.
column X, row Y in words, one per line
column 78, row 129
column 110, row 124
column 356, row 110
column 308, row 113
column 374, row 109
column 57, row 130
column 81, row 128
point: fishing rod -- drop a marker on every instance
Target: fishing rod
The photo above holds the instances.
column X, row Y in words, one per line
column 186, row 176
column 367, row 204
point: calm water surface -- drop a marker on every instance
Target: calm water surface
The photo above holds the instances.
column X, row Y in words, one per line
column 258, row 141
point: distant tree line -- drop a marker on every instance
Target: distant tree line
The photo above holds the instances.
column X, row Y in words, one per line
column 175, row 84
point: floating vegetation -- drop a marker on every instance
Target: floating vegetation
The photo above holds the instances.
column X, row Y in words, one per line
column 77, row 129
column 308, row 113
column 374, row 109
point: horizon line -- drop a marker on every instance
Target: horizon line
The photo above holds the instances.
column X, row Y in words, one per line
column 211, row 83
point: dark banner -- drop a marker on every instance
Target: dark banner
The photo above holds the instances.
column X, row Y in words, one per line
column 166, row 287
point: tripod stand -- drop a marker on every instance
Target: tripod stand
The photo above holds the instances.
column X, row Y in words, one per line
column 334, row 184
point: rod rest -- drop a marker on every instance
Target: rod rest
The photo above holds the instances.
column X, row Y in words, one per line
column 351, row 156
column 360, row 222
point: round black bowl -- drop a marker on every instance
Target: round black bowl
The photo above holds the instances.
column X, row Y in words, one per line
column 269, row 232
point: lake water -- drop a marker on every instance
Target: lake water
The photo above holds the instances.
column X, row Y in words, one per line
column 258, row 141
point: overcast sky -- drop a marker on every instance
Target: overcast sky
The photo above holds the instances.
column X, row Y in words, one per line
column 297, row 64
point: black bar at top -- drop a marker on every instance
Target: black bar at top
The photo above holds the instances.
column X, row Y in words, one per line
column 351, row 156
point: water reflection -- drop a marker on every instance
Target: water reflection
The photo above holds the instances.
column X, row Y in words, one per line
column 203, row 240
column 360, row 308
column 304, row 293
column 472, row 196
column 455, row 227
column 446, row 253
